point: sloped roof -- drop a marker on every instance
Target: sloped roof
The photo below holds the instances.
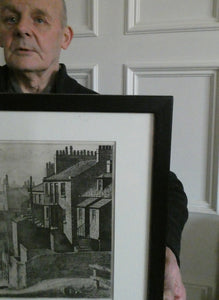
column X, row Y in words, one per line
column 73, row 171
column 93, row 192
column 38, row 188
column 100, row 203
column 87, row 202
column 105, row 175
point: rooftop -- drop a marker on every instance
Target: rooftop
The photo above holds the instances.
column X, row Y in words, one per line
column 105, row 175
column 38, row 188
column 100, row 203
column 93, row 192
column 73, row 171
column 87, row 202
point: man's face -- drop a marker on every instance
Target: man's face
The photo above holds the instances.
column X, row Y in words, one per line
column 32, row 34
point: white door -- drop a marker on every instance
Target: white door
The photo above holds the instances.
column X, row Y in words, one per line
column 164, row 47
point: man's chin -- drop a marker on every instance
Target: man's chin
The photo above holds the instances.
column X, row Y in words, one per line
column 31, row 65
column 22, row 62
column 24, row 68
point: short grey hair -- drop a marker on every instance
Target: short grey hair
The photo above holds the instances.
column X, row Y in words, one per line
column 64, row 14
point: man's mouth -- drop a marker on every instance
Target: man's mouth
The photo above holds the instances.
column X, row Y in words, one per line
column 23, row 51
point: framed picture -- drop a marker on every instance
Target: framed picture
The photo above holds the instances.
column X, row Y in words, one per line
column 83, row 196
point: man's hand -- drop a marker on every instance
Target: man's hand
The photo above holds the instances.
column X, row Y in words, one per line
column 173, row 285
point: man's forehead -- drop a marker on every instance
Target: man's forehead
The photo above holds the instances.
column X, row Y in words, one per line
column 44, row 5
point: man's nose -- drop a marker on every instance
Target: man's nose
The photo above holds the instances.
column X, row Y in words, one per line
column 23, row 27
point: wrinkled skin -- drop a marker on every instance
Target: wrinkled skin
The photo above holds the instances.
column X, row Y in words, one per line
column 32, row 36
column 173, row 285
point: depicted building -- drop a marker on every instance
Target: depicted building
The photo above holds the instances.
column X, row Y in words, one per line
column 13, row 199
column 4, row 247
column 4, row 195
column 40, row 206
column 100, row 217
column 75, row 176
column 83, row 217
column 94, row 213
column 71, row 207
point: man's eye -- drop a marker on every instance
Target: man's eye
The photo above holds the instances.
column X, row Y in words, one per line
column 39, row 20
column 11, row 20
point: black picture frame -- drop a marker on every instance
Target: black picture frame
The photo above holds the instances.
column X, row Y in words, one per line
column 160, row 107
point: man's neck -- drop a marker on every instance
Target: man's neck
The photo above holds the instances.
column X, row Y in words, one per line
column 34, row 82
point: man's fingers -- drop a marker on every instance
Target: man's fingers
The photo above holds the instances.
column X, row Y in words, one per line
column 173, row 285
column 168, row 295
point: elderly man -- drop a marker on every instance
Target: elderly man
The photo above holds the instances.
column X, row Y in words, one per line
column 32, row 34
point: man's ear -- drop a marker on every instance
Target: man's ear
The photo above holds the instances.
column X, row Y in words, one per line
column 67, row 37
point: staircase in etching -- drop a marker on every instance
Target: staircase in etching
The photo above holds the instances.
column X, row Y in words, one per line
column 84, row 245
column 28, row 216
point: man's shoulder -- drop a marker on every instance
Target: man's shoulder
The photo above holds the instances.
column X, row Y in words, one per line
column 3, row 69
column 68, row 85
column 3, row 78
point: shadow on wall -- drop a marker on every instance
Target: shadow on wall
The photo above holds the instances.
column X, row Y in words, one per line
column 200, row 257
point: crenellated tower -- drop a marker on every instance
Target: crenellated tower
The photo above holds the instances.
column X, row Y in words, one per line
column 104, row 153
column 67, row 158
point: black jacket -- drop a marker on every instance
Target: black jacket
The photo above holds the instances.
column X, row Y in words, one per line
column 177, row 206
column 64, row 84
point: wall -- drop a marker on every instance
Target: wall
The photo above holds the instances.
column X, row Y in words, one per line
column 164, row 47
column 68, row 210
column 94, row 224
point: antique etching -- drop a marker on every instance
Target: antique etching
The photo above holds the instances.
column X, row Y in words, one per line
column 56, row 203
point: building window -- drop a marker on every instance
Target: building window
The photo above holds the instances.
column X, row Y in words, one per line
column 47, row 212
column 93, row 215
column 63, row 189
column 51, row 192
column 46, row 189
column 39, row 198
column 99, row 184
column 56, row 192
column 64, row 216
column 80, row 213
